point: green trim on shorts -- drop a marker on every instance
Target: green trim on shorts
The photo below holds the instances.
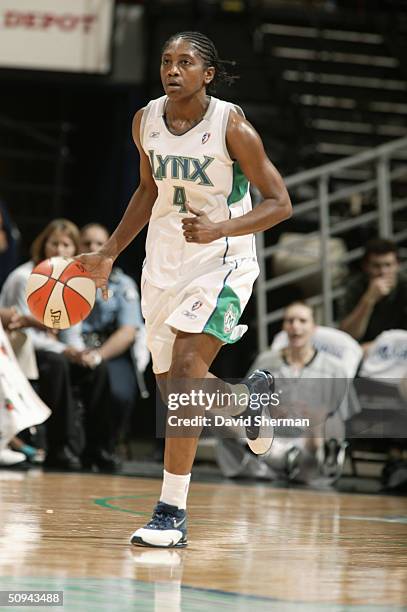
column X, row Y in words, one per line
column 225, row 316
column 240, row 185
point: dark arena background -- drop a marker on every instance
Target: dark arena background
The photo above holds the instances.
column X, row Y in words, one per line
column 319, row 523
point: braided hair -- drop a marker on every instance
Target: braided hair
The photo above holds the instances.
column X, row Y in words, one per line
column 207, row 51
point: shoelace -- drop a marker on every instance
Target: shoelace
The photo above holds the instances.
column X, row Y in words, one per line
column 161, row 519
column 259, row 381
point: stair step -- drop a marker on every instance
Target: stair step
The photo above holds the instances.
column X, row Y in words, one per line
column 342, row 86
column 306, row 16
column 345, row 80
column 321, row 64
column 335, row 57
column 393, row 131
column 333, row 149
column 388, row 107
column 315, row 44
column 347, row 137
column 347, row 110
column 287, row 31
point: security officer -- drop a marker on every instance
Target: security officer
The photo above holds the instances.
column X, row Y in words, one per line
column 110, row 332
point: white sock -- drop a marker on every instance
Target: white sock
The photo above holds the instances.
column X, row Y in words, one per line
column 175, row 489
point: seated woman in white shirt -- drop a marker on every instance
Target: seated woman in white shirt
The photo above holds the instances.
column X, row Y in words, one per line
column 64, row 365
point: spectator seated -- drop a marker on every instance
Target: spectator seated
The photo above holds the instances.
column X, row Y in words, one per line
column 312, row 367
column 329, row 340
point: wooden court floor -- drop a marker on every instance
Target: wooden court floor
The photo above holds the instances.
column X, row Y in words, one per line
column 251, row 547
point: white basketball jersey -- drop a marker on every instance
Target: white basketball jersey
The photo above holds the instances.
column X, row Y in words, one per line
column 193, row 168
column 387, row 357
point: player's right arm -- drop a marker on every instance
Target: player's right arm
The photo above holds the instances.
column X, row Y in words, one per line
column 139, row 209
column 136, row 216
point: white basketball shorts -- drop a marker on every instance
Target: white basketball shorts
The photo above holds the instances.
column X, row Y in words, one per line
column 211, row 303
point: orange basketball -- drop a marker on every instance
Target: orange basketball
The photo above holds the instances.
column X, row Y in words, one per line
column 60, row 292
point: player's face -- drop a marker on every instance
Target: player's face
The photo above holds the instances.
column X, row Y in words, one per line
column 299, row 325
column 92, row 239
column 382, row 266
column 183, row 73
column 59, row 244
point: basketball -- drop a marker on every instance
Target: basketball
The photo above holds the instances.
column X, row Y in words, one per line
column 60, row 293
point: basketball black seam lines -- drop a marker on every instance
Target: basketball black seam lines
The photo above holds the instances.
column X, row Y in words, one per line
column 42, row 287
column 63, row 300
column 50, row 293
column 77, row 293
column 72, row 289
column 64, row 285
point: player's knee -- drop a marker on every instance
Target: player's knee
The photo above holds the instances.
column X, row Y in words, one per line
column 183, row 366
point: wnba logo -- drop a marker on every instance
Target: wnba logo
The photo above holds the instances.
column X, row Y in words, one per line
column 206, row 137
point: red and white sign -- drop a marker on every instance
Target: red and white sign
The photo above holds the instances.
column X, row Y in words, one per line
column 64, row 35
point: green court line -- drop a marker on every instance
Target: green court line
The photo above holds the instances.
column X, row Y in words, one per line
column 104, row 502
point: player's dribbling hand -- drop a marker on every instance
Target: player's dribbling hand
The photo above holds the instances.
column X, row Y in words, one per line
column 200, row 228
column 99, row 267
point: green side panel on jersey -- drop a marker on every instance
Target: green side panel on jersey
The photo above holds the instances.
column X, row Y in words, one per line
column 225, row 317
column 240, row 185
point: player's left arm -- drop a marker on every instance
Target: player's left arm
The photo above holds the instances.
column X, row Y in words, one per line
column 245, row 146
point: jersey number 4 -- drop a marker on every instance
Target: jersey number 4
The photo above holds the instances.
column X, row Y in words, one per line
column 180, row 199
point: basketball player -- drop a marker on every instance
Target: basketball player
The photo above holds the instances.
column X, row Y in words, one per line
column 197, row 154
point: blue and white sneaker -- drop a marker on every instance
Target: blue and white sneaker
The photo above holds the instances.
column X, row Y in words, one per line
column 167, row 528
column 260, row 438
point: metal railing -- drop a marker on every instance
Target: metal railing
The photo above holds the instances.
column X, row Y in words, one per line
column 382, row 193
